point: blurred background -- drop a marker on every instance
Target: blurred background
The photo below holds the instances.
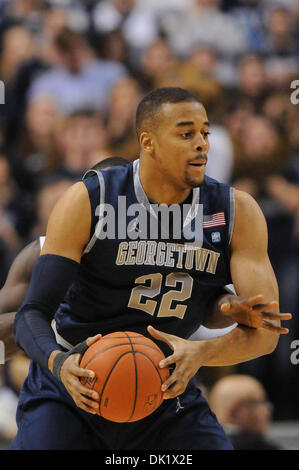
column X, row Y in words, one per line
column 74, row 72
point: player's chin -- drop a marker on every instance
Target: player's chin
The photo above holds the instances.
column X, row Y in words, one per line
column 194, row 181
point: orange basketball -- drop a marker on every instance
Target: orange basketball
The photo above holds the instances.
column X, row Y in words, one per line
column 128, row 378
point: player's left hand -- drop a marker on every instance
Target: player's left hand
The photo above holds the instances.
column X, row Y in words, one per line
column 186, row 358
column 255, row 313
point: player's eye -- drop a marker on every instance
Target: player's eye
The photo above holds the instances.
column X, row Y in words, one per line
column 206, row 134
column 187, row 135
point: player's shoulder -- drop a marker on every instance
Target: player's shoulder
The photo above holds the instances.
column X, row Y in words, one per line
column 96, row 175
column 75, row 195
column 246, row 204
column 72, row 210
column 249, row 217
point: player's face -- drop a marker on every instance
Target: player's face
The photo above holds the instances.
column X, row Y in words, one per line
column 181, row 143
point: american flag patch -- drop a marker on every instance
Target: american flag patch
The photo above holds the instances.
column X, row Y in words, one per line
column 214, row 220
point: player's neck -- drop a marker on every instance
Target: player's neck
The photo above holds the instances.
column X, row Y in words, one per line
column 158, row 189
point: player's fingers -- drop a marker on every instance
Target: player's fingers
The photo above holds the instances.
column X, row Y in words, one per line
column 177, row 389
column 255, row 299
column 83, row 390
column 234, row 306
column 226, row 307
column 265, row 306
column 168, row 339
column 169, row 381
column 285, row 316
column 167, row 361
column 90, row 403
column 80, row 403
column 276, row 316
column 79, row 372
column 93, row 339
column 276, row 329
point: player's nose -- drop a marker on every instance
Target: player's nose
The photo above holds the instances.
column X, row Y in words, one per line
column 200, row 144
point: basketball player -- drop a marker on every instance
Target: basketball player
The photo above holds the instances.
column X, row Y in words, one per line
column 98, row 283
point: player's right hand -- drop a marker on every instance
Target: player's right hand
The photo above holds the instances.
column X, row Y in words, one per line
column 84, row 397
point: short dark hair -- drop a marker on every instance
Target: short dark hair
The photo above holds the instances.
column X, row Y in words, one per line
column 150, row 104
column 67, row 40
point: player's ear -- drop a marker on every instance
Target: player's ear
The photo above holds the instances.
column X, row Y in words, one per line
column 146, row 142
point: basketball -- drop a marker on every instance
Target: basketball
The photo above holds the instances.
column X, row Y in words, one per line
column 128, row 378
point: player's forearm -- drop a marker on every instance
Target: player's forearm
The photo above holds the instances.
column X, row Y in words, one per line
column 6, row 334
column 33, row 333
column 49, row 283
column 241, row 345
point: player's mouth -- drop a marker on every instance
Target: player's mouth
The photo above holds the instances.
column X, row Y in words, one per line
column 199, row 162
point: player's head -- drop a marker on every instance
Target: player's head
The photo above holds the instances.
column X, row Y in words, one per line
column 172, row 127
column 241, row 400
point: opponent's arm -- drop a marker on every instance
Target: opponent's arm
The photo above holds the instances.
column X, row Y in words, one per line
column 68, row 233
column 229, row 309
column 252, row 275
column 13, row 294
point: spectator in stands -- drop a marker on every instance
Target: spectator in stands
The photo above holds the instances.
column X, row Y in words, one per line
column 253, row 86
column 281, row 47
column 200, row 74
column 50, row 192
column 159, row 66
column 205, row 24
column 133, row 19
column 34, row 152
column 249, row 15
column 261, row 155
column 28, row 12
column 121, row 119
column 17, row 46
column 80, row 81
column 81, row 143
column 10, row 209
column 241, row 406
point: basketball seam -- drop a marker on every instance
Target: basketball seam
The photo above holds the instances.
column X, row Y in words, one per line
column 150, row 359
column 115, row 346
column 136, row 378
column 108, row 376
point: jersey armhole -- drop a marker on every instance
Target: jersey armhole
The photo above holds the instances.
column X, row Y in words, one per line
column 97, row 200
column 231, row 214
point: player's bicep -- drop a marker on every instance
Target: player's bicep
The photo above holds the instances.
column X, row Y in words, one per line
column 251, row 269
column 69, row 224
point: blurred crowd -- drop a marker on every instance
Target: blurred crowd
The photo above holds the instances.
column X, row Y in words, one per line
column 74, row 72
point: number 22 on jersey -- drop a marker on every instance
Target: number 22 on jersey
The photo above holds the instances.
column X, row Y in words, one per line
column 154, row 288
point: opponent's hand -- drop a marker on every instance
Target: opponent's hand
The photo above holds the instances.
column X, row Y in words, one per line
column 255, row 313
column 85, row 398
column 186, row 358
